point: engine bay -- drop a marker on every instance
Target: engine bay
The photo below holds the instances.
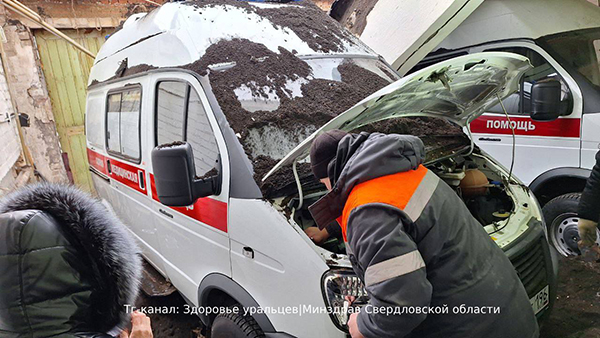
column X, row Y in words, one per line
column 482, row 189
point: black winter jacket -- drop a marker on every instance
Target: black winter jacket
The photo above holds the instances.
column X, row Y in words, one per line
column 68, row 267
column 589, row 205
column 431, row 253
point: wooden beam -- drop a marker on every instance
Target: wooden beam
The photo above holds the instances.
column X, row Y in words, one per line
column 28, row 13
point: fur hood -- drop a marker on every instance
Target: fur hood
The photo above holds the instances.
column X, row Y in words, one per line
column 102, row 240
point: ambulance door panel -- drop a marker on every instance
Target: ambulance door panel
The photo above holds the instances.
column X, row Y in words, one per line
column 126, row 163
column 540, row 146
column 193, row 239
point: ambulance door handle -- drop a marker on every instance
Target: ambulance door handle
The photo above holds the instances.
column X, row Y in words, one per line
column 490, row 139
column 142, row 184
column 248, row 252
column 162, row 211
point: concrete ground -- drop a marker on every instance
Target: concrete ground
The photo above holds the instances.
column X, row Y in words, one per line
column 576, row 312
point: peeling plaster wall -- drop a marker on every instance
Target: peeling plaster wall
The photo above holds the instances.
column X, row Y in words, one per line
column 31, row 97
column 10, row 145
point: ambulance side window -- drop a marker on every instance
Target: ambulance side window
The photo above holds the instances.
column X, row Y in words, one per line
column 542, row 71
column 180, row 116
column 170, row 111
column 123, row 123
column 201, row 137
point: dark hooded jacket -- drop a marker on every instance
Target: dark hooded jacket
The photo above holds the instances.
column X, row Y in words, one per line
column 430, row 254
column 589, row 205
column 68, row 265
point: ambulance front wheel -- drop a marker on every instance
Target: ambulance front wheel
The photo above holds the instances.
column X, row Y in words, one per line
column 561, row 220
column 235, row 325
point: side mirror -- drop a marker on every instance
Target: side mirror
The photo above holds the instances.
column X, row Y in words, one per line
column 545, row 101
column 175, row 176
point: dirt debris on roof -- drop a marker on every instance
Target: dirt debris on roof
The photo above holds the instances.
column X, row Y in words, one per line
column 295, row 117
column 273, row 100
column 267, row 75
column 320, row 31
column 262, row 71
column 254, row 87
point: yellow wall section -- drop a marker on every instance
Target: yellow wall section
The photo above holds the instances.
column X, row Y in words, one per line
column 66, row 71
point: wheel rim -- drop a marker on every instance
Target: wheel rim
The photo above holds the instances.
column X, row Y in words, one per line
column 565, row 234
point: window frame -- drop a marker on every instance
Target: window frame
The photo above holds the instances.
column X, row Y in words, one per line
column 184, row 133
column 112, row 152
column 185, row 107
column 190, row 87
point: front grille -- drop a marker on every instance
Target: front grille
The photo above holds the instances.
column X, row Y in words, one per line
column 531, row 267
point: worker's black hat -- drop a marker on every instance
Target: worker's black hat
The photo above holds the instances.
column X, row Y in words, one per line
column 323, row 150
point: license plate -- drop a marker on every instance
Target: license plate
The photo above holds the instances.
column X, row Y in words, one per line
column 540, row 300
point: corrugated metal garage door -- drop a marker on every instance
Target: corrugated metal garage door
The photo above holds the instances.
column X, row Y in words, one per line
column 66, row 71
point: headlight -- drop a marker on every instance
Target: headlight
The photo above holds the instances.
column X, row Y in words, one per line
column 337, row 284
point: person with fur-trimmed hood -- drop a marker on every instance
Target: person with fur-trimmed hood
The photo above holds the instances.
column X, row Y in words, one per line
column 69, row 267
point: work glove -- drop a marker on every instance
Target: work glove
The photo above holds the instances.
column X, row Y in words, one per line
column 587, row 232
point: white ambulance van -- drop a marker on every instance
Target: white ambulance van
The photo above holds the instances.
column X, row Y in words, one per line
column 561, row 38
column 190, row 106
column 553, row 156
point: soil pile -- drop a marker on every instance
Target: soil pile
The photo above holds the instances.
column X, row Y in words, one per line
column 439, row 136
column 255, row 66
column 273, row 99
column 268, row 134
column 266, row 74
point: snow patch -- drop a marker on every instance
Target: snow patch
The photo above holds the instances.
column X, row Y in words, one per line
column 253, row 98
column 228, row 22
column 276, row 142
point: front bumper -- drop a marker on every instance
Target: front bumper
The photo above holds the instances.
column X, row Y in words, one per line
column 532, row 258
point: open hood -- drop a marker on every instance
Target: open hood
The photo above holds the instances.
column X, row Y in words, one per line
column 403, row 32
column 457, row 90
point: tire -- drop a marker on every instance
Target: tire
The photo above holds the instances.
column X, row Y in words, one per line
column 235, row 325
column 561, row 220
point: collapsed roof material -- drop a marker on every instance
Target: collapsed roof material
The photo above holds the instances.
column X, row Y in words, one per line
column 278, row 72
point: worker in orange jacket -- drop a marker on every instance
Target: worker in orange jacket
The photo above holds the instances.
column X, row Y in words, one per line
column 413, row 243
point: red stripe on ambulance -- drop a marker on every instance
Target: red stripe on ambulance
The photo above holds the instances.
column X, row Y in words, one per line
column 97, row 161
column 562, row 127
column 127, row 174
column 206, row 210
